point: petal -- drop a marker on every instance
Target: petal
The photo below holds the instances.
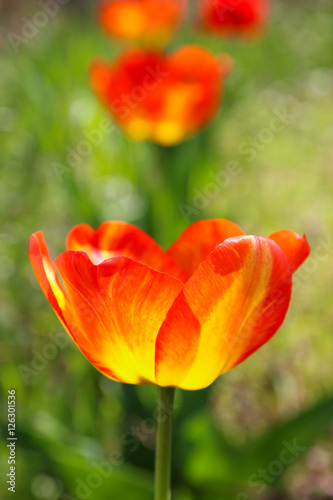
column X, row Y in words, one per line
column 232, row 305
column 198, row 240
column 145, row 71
column 119, row 239
column 295, row 247
column 118, row 307
column 227, row 18
column 197, row 63
column 47, row 277
column 101, row 74
column 196, row 87
column 126, row 19
column 149, row 21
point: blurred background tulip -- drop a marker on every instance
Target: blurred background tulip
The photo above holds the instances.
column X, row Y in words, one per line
column 234, row 17
column 149, row 22
column 159, row 97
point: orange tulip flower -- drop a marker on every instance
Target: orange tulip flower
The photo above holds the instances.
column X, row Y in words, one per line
column 178, row 318
column 159, row 97
column 151, row 22
column 234, row 17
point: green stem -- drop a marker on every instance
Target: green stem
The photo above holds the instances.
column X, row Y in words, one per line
column 163, row 445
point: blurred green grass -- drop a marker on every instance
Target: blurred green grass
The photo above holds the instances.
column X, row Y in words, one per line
column 68, row 414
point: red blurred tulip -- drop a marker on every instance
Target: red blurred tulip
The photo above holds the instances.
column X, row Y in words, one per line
column 234, row 17
column 177, row 318
column 159, row 97
column 151, row 22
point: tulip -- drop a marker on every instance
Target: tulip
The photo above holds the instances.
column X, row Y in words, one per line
column 179, row 318
column 151, row 22
column 159, row 97
column 234, row 17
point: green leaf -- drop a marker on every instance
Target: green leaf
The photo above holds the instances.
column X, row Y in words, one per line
column 80, row 466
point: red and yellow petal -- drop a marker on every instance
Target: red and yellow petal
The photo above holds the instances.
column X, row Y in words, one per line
column 232, row 305
column 119, row 239
column 228, row 18
column 199, row 240
column 48, row 280
column 195, row 90
column 119, row 307
column 148, row 21
column 295, row 247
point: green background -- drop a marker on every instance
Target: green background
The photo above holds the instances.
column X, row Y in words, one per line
column 81, row 435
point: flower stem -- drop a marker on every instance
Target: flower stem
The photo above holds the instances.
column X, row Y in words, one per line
column 163, row 445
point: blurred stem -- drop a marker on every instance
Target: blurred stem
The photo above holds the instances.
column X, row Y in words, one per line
column 163, row 445
column 172, row 173
column 175, row 167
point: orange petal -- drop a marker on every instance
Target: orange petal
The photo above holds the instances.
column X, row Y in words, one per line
column 119, row 239
column 197, row 88
column 148, row 21
column 199, row 239
column 101, row 73
column 118, row 307
column 184, row 61
column 126, row 19
column 47, row 277
column 232, row 305
column 295, row 247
